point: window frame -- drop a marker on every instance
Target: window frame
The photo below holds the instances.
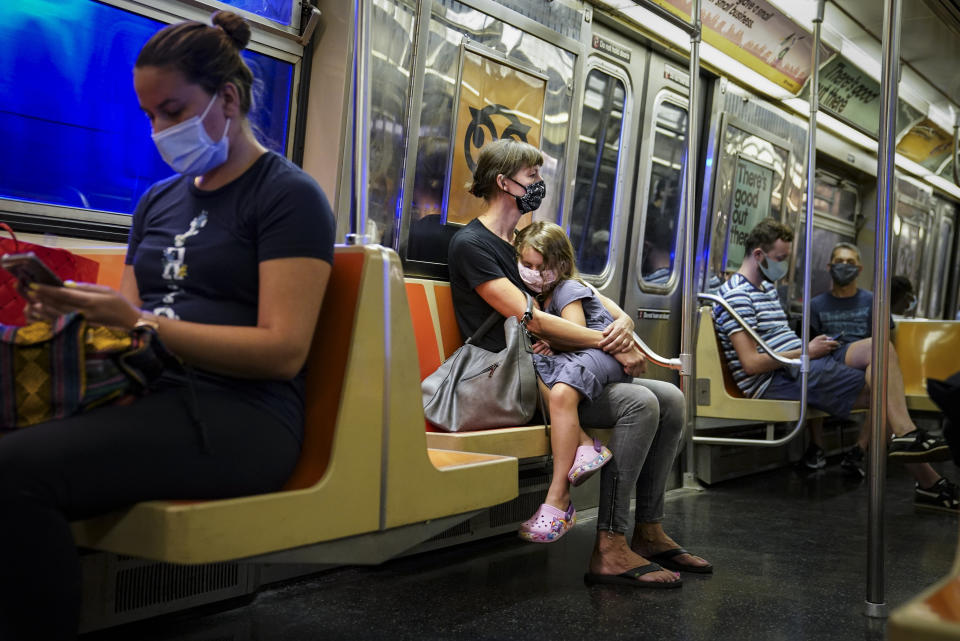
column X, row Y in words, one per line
column 603, row 65
column 665, row 95
column 267, row 38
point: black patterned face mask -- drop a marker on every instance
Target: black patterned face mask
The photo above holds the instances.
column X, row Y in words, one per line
column 530, row 201
column 843, row 273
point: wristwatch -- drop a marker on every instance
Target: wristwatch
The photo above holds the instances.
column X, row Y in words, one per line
column 144, row 321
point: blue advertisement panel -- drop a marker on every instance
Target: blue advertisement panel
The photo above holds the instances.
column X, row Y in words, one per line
column 71, row 126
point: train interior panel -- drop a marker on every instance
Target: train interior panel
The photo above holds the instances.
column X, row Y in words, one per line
column 666, row 144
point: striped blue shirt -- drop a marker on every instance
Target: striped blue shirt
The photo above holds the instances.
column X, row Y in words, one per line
column 761, row 310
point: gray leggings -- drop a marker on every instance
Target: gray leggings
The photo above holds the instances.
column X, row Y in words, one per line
column 647, row 421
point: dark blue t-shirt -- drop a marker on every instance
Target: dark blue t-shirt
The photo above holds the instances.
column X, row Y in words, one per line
column 196, row 257
column 853, row 316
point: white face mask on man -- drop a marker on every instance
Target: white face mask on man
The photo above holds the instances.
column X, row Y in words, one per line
column 187, row 147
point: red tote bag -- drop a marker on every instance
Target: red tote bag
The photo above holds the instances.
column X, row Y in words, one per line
column 64, row 264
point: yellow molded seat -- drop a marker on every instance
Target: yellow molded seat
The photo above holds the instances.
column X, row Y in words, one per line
column 365, row 466
column 933, row 615
column 718, row 395
column 926, row 349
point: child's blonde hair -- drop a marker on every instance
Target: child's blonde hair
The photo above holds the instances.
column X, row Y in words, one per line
column 553, row 244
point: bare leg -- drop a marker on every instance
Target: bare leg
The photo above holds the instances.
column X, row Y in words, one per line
column 815, row 425
column 923, row 473
column 612, row 555
column 859, row 355
column 650, row 539
column 866, row 432
column 565, row 436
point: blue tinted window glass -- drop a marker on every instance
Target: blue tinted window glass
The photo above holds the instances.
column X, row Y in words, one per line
column 279, row 10
column 73, row 133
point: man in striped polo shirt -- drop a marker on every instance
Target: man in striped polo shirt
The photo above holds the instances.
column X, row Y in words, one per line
column 836, row 382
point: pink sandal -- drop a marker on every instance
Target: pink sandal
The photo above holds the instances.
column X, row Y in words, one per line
column 588, row 460
column 548, row 524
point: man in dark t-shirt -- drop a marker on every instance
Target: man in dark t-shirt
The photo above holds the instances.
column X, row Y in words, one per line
column 845, row 314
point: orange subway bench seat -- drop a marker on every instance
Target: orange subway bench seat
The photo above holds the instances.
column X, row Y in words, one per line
column 437, row 335
column 365, row 467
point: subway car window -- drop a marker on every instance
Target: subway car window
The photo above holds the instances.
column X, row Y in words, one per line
column 941, row 272
column 835, row 198
column 601, row 126
column 908, row 243
column 514, row 67
column 663, row 200
column 73, row 132
column 824, row 241
column 277, row 10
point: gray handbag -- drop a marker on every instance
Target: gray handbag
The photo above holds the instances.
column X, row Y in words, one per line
column 478, row 389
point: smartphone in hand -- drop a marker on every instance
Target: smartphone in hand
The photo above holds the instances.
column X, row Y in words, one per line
column 836, row 338
column 27, row 268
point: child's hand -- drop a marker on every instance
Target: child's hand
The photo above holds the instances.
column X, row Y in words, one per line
column 542, row 347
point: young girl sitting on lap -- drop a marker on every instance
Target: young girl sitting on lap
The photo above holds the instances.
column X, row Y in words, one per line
column 546, row 264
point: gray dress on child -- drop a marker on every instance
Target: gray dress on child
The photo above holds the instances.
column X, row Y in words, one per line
column 588, row 370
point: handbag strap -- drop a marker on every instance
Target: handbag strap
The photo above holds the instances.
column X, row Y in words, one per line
column 494, row 317
column 16, row 243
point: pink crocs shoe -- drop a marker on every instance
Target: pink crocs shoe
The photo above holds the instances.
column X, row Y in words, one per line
column 588, row 460
column 548, row 524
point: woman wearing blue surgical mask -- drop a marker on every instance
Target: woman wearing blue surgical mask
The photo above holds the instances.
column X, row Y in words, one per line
column 228, row 261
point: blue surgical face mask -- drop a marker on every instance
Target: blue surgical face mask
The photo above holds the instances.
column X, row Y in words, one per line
column 187, row 147
column 773, row 270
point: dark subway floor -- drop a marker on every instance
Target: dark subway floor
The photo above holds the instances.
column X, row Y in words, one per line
column 789, row 549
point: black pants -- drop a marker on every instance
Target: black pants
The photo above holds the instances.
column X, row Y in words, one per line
column 105, row 460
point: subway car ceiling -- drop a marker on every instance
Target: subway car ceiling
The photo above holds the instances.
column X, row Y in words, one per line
column 929, row 90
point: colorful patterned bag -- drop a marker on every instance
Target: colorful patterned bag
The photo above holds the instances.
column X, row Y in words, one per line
column 51, row 371
column 60, row 261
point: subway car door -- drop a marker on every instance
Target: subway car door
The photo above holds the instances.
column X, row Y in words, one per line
column 652, row 289
column 598, row 219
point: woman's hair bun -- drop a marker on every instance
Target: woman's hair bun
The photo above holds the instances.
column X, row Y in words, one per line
column 234, row 26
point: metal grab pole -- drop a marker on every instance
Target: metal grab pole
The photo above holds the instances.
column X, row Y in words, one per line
column 361, row 118
column 689, row 310
column 808, row 227
column 889, row 77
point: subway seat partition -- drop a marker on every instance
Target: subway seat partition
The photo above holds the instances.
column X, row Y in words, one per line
column 926, row 349
column 717, row 393
column 349, row 481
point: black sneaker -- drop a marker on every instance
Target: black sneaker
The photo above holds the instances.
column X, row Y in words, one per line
column 918, row 447
column 852, row 462
column 944, row 496
column 813, row 458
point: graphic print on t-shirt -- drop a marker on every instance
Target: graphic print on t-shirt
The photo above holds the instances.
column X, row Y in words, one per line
column 175, row 265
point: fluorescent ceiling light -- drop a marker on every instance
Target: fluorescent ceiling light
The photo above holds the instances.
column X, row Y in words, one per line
column 944, row 185
column 846, row 131
column 653, row 23
column 913, row 167
column 742, row 74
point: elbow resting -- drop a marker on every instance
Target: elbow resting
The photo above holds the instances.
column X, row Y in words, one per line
column 287, row 364
column 750, row 368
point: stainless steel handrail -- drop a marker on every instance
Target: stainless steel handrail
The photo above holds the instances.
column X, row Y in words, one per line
column 653, row 357
column 689, row 307
column 876, row 468
column 361, row 117
column 793, row 364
